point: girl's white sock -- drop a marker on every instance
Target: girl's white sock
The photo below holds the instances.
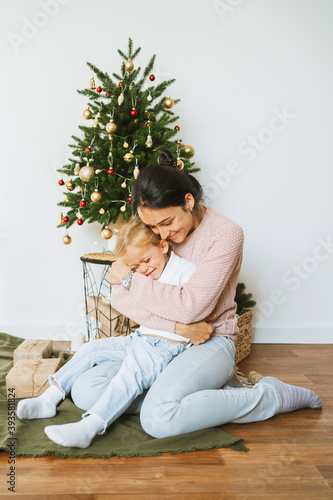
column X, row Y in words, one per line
column 76, row 435
column 44, row 406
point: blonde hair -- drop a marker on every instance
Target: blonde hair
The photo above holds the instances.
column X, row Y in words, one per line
column 135, row 233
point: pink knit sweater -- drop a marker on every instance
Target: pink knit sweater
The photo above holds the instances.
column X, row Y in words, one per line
column 216, row 246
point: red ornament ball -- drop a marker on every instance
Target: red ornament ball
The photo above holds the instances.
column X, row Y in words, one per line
column 179, row 144
column 87, row 149
column 152, row 78
column 80, row 222
column 61, row 182
column 177, row 127
column 134, row 112
column 65, row 219
column 107, row 94
column 99, row 89
column 110, row 171
column 129, row 199
column 82, row 203
column 147, row 124
column 119, row 84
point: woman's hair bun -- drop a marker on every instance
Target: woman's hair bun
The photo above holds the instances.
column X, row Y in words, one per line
column 166, row 158
column 163, row 185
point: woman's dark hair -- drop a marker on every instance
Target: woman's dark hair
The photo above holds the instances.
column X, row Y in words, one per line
column 164, row 185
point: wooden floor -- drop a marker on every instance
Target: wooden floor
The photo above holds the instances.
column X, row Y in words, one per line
column 290, row 456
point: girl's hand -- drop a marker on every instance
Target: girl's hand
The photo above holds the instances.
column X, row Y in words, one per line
column 118, row 270
column 198, row 332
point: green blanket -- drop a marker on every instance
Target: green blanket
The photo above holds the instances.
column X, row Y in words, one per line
column 124, row 438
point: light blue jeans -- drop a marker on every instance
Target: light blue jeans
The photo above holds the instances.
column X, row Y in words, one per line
column 139, row 359
column 187, row 395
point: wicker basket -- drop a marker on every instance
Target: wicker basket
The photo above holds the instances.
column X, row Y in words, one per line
column 243, row 341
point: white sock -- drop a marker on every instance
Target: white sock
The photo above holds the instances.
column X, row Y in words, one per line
column 44, row 406
column 76, row 435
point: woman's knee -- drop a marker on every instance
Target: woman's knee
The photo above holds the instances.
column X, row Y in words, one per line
column 157, row 417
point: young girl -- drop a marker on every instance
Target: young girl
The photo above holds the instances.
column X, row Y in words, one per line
column 143, row 354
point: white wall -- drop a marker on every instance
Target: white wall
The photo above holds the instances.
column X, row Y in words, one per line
column 239, row 65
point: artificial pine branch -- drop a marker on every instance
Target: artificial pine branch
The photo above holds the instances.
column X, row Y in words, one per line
column 130, row 48
column 118, row 77
column 243, row 300
column 104, row 77
column 149, row 67
column 122, row 54
column 136, row 53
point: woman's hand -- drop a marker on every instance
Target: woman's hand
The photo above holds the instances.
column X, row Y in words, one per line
column 198, row 332
column 118, row 270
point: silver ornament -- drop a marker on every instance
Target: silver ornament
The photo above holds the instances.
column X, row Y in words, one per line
column 136, row 172
column 149, row 141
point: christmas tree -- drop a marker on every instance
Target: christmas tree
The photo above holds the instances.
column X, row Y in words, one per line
column 131, row 120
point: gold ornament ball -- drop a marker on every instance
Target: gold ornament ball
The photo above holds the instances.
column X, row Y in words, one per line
column 107, row 233
column 111, row 127
column 125, row 145
column 86, row 173
column 69, row 186
column 87, row 114
column 128, row 157
column 102, row 211
column 169, row 103
column 189, row 151
column 67, row 240
column 96, row 196
column 129, row 66
column 180, row 164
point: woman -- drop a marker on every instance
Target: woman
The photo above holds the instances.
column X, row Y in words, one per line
column 187, row 395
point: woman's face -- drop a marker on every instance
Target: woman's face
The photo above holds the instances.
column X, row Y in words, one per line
column 171, row 223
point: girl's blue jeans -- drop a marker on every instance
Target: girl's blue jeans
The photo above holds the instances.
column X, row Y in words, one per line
column 139, row 359
column 187, row 395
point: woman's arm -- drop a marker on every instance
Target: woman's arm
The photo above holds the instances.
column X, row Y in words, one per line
column 126, row 304
column 198, row 297
column 198, row 333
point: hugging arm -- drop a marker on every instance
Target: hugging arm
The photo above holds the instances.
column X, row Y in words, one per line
column 197, row 298
column 124, row 302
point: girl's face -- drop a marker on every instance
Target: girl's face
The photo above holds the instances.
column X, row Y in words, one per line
column 171, row 223
column 149, row 260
